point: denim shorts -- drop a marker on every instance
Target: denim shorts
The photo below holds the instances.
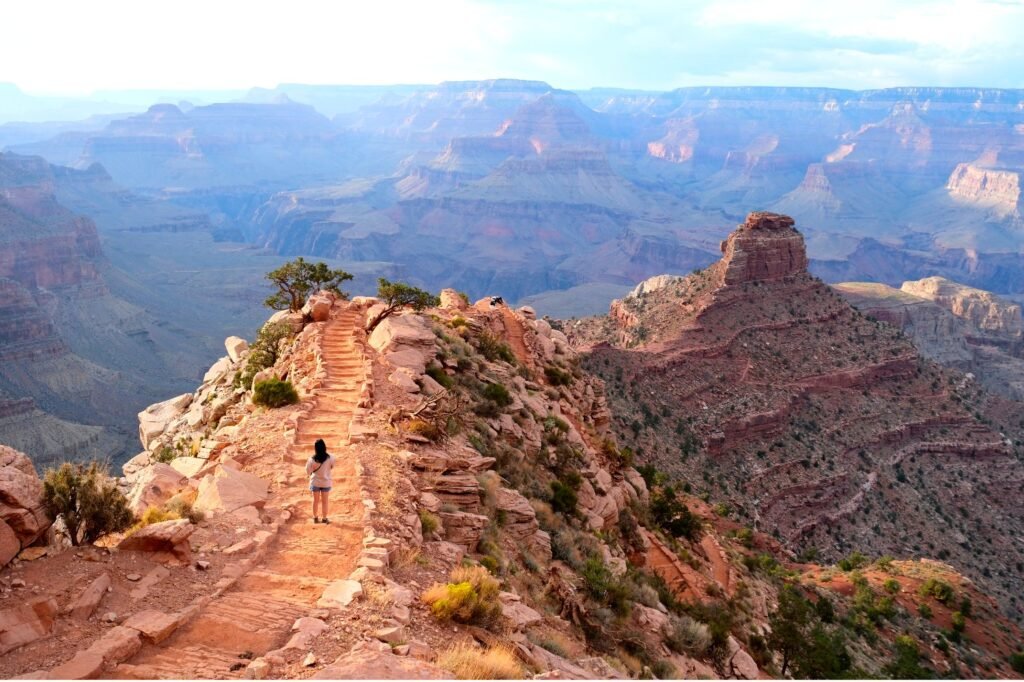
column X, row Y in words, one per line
column 318, row 489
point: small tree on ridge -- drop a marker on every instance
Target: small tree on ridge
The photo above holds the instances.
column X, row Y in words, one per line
column 397, row 295
column 296, row 279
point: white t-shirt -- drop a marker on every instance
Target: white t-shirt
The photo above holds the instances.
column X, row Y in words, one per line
column 320, row 474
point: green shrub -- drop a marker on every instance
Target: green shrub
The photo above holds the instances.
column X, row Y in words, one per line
column 440, row 376
column 470, row 597
column 557, row 376
column 458, row 321
column 181, row 506
column 663, row 669
column 429, row 522
column 687, row 636
column 165, row 454
column 939, row 589
column 959, row 622
column 925, row 611
column 854, row 561
column 674, row 516
column 263, row 353
column 891, row 586
column 498, row 394
column 493, row 349
column 274, row 393
column 1017, row 661
column 563, row 498
column 87, row 499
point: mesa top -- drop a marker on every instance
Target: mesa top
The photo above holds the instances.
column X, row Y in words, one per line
column 320, row 474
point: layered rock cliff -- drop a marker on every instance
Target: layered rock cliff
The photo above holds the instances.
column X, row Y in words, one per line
column 765, row 391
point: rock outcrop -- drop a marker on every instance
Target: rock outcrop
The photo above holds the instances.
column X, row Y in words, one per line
column 809, row 410
column 23, row 519
column 985, row 311
column 764, row 248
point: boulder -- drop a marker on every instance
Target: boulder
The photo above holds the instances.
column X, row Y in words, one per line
column 169, row 539
column 85, row 665
column 402, row 380
column 154, row 485
column 227, row 489
column 86, row 603
column 460, row 490
column 154, row 626
column 364, row 662
column 318, row 306
column 22, row 514
column 400, row 332
column 340, row 594
column 464, row 529
column 10, row 545
column 117, row 645
column 188, row 466
column 154, row 420
column 518, row 613
column 136, row 464
column 741, row 665
column 217, row 370
column 294, row 320
column 26, row 623
column 235, row 346
column 453, row 300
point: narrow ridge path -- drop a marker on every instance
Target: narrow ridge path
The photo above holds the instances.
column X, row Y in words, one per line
column 256, row 615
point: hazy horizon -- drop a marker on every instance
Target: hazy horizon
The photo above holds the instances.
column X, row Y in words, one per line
column 650, row 45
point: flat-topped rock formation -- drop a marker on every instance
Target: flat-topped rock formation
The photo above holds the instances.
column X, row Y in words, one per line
column 764, row 248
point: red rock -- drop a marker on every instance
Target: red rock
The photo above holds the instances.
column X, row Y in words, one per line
column 764, row 248
column 10, row 545
column 89, row 600
column 363, row 663
column 21, row 491
column 26, row 623
column 85, row 665
column 169, row 537
column 154, row 626
column 118, row 644
column 228, row 489
column 154, row 485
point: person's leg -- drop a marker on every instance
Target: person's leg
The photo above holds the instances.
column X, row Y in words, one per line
column 316, row 500
column 323, row 502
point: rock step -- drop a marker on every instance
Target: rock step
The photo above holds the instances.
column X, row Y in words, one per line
column 192, row 662
column 254, row 612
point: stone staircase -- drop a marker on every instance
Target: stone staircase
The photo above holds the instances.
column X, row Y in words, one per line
column 256, row 615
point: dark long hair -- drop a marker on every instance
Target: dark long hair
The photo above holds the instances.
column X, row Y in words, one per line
column 321, row 451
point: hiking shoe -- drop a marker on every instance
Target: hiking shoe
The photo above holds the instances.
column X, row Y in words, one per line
column 316, row 520
column 325, row 520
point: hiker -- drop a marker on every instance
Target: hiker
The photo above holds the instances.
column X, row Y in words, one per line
column 497, row 300
column 319, row 469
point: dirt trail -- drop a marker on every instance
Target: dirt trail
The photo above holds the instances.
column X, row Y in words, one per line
column 256, row 614
column 516, row 340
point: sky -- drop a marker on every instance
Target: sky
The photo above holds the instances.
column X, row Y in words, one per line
column 73, row 47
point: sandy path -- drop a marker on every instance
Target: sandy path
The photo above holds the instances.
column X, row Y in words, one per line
column 256, row 614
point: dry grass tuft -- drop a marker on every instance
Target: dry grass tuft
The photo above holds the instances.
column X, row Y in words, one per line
column 470, row 597
column 468, row 662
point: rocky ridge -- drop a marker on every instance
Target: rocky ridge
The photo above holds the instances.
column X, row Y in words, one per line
column 454, row 429
column 762, row 389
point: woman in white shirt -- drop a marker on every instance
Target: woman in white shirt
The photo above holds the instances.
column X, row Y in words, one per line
column 319, row 469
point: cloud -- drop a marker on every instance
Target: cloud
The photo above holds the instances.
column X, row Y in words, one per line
column 651, row 44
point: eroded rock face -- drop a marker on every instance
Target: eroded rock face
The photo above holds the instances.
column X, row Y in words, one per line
column 26, row 623
column 984, row 310
column 228, row 489
column 764, row 248
column 998, row 190
column 22, row 516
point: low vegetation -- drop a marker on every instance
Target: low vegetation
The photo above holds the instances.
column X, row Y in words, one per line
column 274, row 393
column 469, row 662
column 263, row 353
column 471, row 596
column 87, row 499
